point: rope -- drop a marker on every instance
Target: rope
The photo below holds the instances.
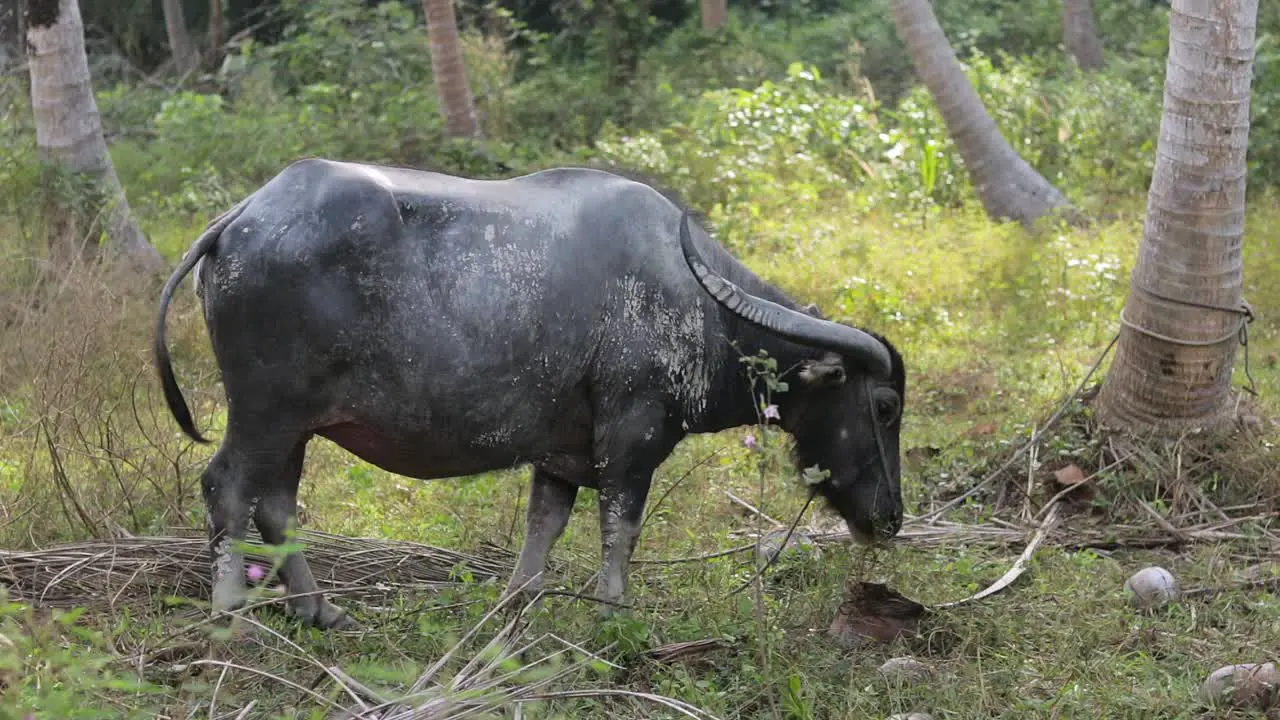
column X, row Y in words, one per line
column 1245, row 311
column 1176, row 341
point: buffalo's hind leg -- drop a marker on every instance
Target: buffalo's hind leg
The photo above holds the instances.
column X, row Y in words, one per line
column 257, row 470
column 277, row 508
column 230, row 486
column 550, row 503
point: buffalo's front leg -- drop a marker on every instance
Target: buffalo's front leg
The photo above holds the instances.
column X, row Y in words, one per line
column 277, row 508
column 621, row 507
column 550, row 503
column 628, row 452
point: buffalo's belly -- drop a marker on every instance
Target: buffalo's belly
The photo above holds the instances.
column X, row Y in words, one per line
column 414, row 458
column 428, row 445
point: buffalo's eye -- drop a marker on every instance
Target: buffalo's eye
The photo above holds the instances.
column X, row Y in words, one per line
column 888, row 406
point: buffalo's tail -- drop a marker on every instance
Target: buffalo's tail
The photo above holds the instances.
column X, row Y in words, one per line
column 172, row 393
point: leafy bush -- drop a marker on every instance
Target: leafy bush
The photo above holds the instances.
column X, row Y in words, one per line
column 346, row 82
column 741, row 150
column 58, row 665
column 1088, row 133
column 1264, row 132
column 799, row 141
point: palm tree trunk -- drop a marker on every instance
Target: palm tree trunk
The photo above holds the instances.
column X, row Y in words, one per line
column 1079, row 34
column 68, row 128
column 215, row 32
column 1178, row 336
column 185, row 58
column 1008, row 187
column 449, row 71
column 714, row 14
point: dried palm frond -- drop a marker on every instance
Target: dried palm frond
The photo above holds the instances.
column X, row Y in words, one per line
column 138, row 570
column 507, row 670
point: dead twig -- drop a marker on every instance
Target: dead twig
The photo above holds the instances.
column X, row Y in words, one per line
column 1036, row 435
column 1019, row 566
column 752, row 509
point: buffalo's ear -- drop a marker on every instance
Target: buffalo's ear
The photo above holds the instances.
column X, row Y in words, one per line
column 812, row 309
column 825, row 372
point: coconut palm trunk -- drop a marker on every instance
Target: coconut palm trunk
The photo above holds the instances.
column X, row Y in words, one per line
column 215, row 32
column 714, row 14
column 1080, row 35
column 1008, row 187
column 449, row 71
column 185, row 58
column 68, row 127
column 1178, row 336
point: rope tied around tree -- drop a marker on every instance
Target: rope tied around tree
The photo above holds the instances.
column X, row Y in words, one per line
column 1241, row 333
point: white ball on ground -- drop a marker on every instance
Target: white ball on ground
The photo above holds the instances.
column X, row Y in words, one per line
column 1152, row 587
column 905, row 670
column 911, row 716
column 1245, row 685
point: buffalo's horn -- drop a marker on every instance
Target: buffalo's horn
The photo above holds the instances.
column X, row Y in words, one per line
column 791, row 324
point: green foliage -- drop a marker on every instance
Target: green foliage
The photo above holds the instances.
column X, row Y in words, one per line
column 746, row 153
column 333, row 42
column 1091, row 135
column 787, row 141
column 1264, row 131
column 61, row 666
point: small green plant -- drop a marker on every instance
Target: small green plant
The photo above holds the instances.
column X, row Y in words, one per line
column 57, row 665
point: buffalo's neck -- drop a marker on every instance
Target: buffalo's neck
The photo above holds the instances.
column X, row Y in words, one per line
column 733, row 400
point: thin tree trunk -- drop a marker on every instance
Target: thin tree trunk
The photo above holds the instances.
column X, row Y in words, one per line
column 215, row 32
column 1079, row 34
column 1008, row 187
column 68, row 128
column 185, row 58
column 10, row 34
column 449, row 71
column 1172, row 368
column 714, row 14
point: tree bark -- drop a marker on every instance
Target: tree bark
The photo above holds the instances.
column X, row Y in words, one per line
column 185, row 57
column 68, row 127
column 10, row 35
column 215, row 32
column 1079, row 34
column 449, row 71
column 1008, row 187
column 1173, row 363
column 714, row 14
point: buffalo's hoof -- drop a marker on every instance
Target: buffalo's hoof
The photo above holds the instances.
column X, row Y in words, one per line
column 319, row 612
column 522, row 597
column 229, row 597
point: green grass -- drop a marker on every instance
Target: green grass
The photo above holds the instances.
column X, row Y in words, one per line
column 996, row 326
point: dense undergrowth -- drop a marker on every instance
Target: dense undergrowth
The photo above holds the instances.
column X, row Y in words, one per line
column 818, row 163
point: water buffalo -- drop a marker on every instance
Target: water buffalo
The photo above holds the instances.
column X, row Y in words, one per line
column 437, row 326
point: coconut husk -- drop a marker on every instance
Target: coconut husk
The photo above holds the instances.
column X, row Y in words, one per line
column 873, row 612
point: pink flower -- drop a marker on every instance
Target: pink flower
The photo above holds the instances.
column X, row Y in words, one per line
column 749, row 441
column 255, row 572
column 771, row 411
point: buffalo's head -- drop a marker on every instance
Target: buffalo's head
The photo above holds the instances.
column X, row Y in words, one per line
column 846, row 420
column 843, row 406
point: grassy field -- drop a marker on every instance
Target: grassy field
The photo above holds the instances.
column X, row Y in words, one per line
column 997, row 326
